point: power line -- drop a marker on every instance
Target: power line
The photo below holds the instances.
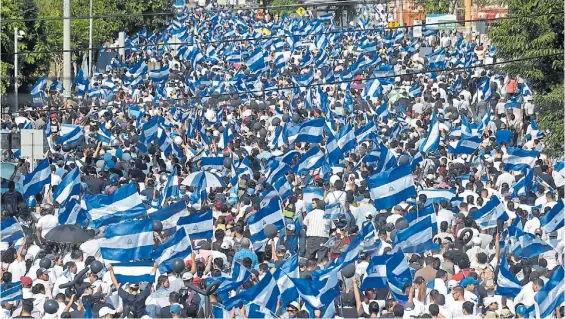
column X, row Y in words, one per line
column 263, row 38
column 336, row 82
column 169, row 13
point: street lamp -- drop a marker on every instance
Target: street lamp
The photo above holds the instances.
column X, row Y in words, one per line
column 18, row 34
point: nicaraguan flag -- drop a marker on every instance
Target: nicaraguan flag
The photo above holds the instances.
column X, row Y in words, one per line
column 123, row 204
column 139, row 69
column 170, row 215
column 198, row 225
column 128, row 241
column 69, row 134
column 418, row 238
column 10, row 292
column 81, row 83
column 518, row 159
column 436, row 60
column 553, row 220
column 551, row 294
column 284, row 275
column 507, row 284
column 38, row 91
column 560, row 167
column 151, row 128
column 391, row 187
column 264, row 293
column 526, row 245
column 434, row 195
column 466, row 145
column 134, row 272
column 365, row 131
column 269, row 214
column 239, row 276
column 104, row 135
column 256, row 61
column 171, row 189
column 524, row 184
column 68, row 187
column 35, row 181
column 376, row 273
column 160, row 75
column 346, row 139
column 309, row 132
column 10, row 230
column 176, row 246
column 431, row 142
column 419, row 215
column 373, row 88
column 311, row 160
column 488, row 215
column 225, row 138
column 73, row 213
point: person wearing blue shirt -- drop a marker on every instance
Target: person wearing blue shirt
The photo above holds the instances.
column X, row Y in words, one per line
column 290, row 239
column 246, row 252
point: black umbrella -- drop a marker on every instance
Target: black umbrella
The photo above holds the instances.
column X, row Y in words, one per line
column 71, row 233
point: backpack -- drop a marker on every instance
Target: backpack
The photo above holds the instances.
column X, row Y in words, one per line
column 486, row 277
column 10, row 202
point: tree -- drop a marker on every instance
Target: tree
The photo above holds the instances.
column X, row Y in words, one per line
column 537, row 34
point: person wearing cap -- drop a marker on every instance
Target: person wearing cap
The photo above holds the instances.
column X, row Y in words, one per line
column 43, row 279
column 469, row 284
column 290, row 239
column 133, row 300
column 106, row 313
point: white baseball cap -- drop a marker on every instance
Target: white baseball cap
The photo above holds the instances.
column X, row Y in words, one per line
column 106, row 311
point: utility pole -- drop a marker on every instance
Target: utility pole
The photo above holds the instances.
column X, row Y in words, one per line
column 67, row 48
column 468, row 5
column 90, row 41
column 16, row 35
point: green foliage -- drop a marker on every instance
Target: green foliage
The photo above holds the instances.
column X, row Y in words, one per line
column 289, row 11
column 532, row 37
column 437, row 6
column 47, row 35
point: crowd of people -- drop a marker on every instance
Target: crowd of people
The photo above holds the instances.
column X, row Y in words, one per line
column 309, row 171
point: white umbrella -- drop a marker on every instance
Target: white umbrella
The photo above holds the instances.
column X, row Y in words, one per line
column 210, row 179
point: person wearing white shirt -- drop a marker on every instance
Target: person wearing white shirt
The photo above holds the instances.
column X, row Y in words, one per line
column 456, row 306
column 526, row 295
column 338, row 195
column 533, row 224
column 317, row 231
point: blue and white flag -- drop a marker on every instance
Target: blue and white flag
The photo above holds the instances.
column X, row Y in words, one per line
column 421, row 214
column 431, row 142
column 466, row 145
column 373, row 88
column 311, row 193
column 554, row 219
column 376, row 273
column 122, row 204
column 559, row 167
column 526, row 245
column 171, row 189
column 524, row 184
column 436, row 60
column 518, row 159
column 284, row 275
column 391, row 187
column 198, row 225
column 269, row 214
column 151, row 128
column 128, row 241
column 533, row 131
column 418, row 238
column 225, row 138
column 309, row 132
column 334, row 211
column 11, row 230
column 312, row 159
column 488, row 215
column 35, row 181
column 365, row 131
column 239, row 276
column 256, row 61
column 346, row 139
column 47, row 128
column 139, row 69
column 176, row 246
column 265, row 293
column 73, row 213
column 526, row 89
column 160, row 75
column 486, row 89
column 104, row 135
column 81, row 83
column 434, row 195
column 69, row 134
column 38, row 91
column 10, row 292
column 398, row 274
column 551, row 294
column 506, row 283
column 216, row 162
column 170, row 215
column 134, row 272
column 68, row 187
column 415, row 90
